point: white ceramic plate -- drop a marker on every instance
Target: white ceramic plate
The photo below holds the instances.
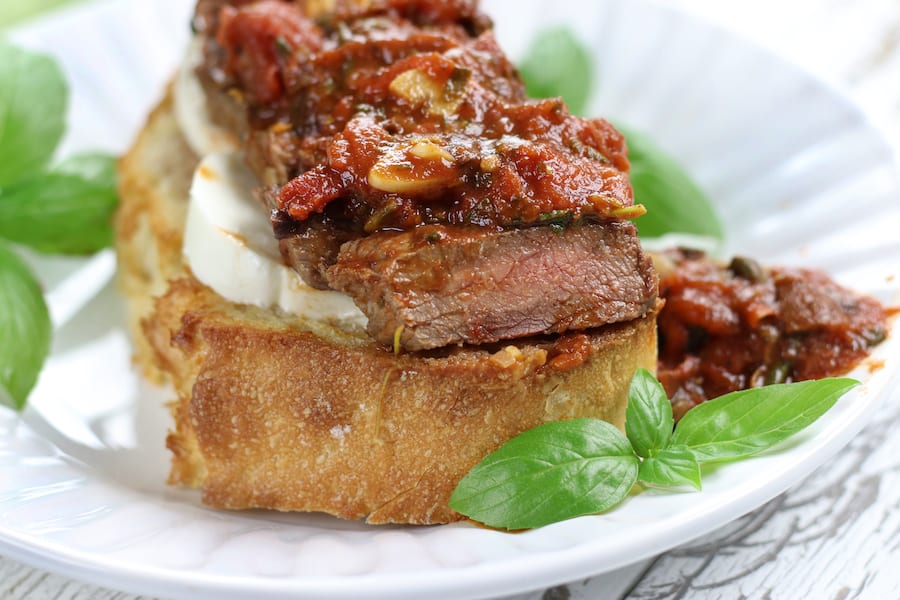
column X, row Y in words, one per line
column 797, row 173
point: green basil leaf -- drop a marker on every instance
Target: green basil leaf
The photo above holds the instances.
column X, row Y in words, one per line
column 33, row 99
column 63, row 211
column 557, row 64
column 675, row 204
column 648, row 416
column 675, row 465
column 24, row 329
column 743, row 423
column 553, row 472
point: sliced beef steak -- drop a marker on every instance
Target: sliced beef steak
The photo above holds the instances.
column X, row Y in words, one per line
column 309, row 247
column 438, row 286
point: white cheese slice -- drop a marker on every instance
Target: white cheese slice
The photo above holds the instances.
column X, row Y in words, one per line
column 229, row 246
column 202, row 135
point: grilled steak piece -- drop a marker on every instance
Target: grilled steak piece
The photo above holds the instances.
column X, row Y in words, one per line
column 309, row 247
column 403, row 113
column 436, row 285
column 403, row 164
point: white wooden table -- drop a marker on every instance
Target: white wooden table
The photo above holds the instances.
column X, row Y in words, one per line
column 836, row 534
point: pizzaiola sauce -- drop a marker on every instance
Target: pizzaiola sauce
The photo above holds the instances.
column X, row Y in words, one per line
column 401, row 114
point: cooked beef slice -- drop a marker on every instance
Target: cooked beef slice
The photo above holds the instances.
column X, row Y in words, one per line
column 436, row 286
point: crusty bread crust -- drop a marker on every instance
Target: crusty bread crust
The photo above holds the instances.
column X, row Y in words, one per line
column 154, row 178
column 279, row 412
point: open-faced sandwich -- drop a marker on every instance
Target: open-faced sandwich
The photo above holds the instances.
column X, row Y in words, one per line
column 416, row 264
column 365, row 259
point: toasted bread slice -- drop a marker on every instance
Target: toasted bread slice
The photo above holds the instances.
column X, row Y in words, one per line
column 277, row 411
column 154, row 179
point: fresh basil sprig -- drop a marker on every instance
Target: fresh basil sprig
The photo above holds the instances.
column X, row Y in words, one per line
column 24, row 329
column 33, row 98
column 674, row 201
column 66, row 211
column 550, row 473
column 571, row 468
column 66, row 208
column 648, row 420
column 557, row 64
column 671, row 466
column 743, row 423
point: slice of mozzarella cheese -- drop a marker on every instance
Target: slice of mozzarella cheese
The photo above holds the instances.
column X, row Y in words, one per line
column 229, row 246
column 202, row 134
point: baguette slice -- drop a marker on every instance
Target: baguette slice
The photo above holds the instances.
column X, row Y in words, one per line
column 154, row 179
column 276, row 411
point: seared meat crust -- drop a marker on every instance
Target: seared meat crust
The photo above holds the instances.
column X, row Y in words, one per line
column 436, row 286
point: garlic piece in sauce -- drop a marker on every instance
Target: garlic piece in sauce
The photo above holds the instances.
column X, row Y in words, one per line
column 414, row 168
column 418, row 87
